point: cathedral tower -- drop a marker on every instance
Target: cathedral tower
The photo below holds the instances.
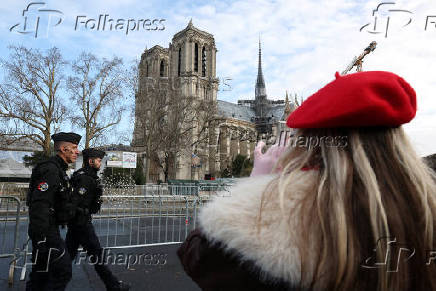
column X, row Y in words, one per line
column 187, row 68
column 193, row 58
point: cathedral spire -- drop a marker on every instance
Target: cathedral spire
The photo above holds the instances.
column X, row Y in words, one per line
column 287, row 109
column 190, row 23
column 260, row 83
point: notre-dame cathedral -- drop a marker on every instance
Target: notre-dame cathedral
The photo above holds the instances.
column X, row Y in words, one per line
column 191, row 55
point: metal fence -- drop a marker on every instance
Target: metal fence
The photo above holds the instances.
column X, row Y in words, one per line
column 137, row 216
column 10, row 229
column 18, row 190
column 131, row 220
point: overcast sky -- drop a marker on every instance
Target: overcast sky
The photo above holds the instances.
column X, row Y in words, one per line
column 303, row 42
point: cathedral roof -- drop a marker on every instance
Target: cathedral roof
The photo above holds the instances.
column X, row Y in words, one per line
column 232, row 110
column 155, row 48
column 191, row 27
column 275, row 111
column 245, row 113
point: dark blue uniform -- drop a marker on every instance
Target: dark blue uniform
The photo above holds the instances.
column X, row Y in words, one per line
column 49, row 207
column 87, row 196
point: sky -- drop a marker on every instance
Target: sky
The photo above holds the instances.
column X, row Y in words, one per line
column 303, row 42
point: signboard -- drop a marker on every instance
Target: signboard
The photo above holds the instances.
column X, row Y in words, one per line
column 121, row 160
column 129, row 160
column 115, row 159
column 12, row 164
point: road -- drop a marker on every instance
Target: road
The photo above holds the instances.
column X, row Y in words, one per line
column 145, row 267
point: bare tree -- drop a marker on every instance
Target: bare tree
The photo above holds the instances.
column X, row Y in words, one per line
column 96, row 88
column 170, row 124
column 150, row 110
column 30, row 105
column 184, row 130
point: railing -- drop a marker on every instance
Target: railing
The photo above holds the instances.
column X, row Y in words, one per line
column 10, row 207
column 131, row 220
column 18, row 190
column 137, row 216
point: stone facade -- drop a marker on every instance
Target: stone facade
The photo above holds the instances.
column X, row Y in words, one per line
column 191, row 56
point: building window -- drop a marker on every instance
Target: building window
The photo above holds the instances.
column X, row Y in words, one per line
column 146, row 69
column 203, row 60
column 162, row 68
column 179, row 66
column 196, row 58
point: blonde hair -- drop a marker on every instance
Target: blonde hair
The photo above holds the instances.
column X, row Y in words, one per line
column 373, row 187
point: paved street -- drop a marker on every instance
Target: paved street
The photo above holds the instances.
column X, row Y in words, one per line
column 145, row 272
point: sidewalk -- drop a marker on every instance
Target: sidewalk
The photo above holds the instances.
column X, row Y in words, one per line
column 146, row 274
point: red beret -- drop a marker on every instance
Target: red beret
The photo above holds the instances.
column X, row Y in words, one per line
column 355, row 100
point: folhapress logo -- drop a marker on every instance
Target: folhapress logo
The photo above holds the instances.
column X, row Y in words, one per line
column 38, row 20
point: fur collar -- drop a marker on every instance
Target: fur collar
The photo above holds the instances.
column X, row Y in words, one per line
column 232, row 221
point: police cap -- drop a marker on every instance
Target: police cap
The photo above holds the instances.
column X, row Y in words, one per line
column 66, row 136
column 93, row 153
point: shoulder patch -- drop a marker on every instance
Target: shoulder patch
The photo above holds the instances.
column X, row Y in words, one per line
column 43, row 186
column 82, row 191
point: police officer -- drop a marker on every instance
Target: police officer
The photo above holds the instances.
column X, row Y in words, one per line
column 50, row 205
column 87, row 196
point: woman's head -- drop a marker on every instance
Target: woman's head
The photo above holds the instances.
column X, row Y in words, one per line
column 372, row 191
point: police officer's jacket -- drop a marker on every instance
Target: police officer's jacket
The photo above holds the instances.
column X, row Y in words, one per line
column 87, row 192
column 49, row 198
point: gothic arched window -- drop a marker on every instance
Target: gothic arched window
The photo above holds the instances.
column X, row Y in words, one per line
column 162, row 68
column 146, row 69
column 203, row 60
column 196, row 58
column 179, row 66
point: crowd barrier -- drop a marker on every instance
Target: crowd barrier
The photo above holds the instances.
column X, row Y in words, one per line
column 138, row 216
column 10, row 228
